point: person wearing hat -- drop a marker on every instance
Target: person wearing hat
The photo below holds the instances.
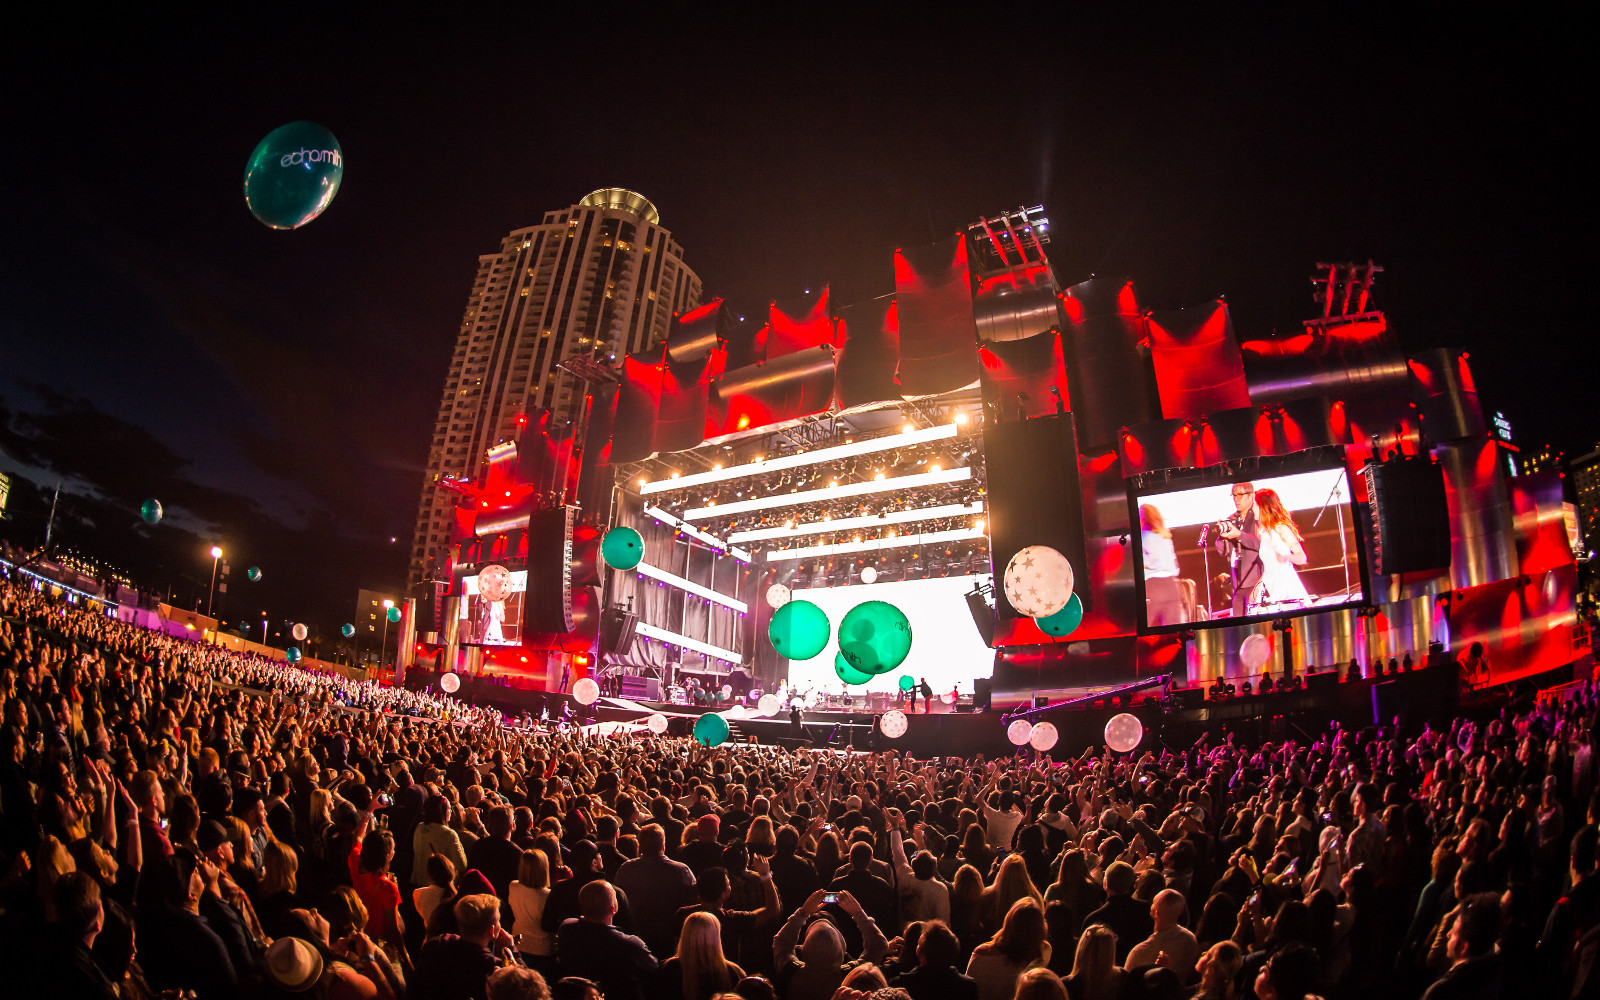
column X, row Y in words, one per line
column 223, row 904
column 354, row 967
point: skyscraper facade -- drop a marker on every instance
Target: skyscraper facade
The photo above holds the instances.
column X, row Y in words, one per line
column 597, row 278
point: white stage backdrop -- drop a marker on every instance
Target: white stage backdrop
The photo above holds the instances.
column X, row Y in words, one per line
column 945, row 645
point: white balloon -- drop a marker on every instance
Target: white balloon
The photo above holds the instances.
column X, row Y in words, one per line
column 1043, row 737
column 777, row 595
column 299, row 632
column 769, row 704
column 1019, row 732
column 1123, row 732
column 586, row 691
column 893, row 724
column 450, row 683
column 948, row 698
column 869, row 574
column 657, row 723
column 1038, row 581
column 735, row 712
column 1255, row 651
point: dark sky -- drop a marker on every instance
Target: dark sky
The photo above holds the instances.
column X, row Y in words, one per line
column 276, row 389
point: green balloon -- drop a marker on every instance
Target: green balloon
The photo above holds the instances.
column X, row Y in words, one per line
column 1063, row 622
column 293, row 175
column 151, row 511
column 293, row 654
column 711, row 729
column 847, row 673
column 907, row 682
column 394, row 614
column 799, row 630
column 254, row 573
column 875, row 637
column 622, row 548
column 347, row 630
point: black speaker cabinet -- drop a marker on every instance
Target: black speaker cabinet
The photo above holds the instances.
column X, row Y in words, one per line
column 1410, row 519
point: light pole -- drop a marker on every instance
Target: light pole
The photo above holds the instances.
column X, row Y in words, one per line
column 383, row 644
column 263, row 628
column 216, row 556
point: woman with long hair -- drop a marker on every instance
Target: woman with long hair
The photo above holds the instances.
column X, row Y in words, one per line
column 966, row 906
column 699, row 970
column 1020, row 944
column 1282, row 549
column 1011, row 883
column 1073, row 886
column 375, row 885
column 1095, row 975
column 1218, row 966
column 280, row 884
column 1163, row 600
column 527, row 897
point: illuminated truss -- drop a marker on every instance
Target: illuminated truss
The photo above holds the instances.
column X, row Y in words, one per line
column 889, row 442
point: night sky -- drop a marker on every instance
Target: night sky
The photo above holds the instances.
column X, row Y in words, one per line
column 276, row 390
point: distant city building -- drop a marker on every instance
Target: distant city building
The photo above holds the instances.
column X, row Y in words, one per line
column 597, row 278
column 1586, row 482
column 369, row 619
column 1543, row 460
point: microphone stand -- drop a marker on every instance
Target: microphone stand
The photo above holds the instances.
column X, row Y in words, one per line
column 1344, row 545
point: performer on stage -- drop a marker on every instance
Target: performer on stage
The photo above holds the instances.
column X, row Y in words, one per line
column 1282, row 549
column 1162, row 597
column 1238, row 540
column 927, row 697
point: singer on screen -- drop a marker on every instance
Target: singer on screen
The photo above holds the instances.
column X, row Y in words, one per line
column 1282, row 549
column 1162, row 594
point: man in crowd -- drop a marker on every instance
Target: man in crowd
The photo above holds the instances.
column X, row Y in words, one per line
column 591, row 947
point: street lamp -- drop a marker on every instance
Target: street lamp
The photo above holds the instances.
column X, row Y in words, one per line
column 216, row 555
column 383, row 644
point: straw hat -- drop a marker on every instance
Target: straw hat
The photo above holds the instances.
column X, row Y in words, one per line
column 293, row 964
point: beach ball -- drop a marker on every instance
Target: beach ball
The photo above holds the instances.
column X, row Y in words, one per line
column 893, row 724
column 777, row 595
column 1038, row 581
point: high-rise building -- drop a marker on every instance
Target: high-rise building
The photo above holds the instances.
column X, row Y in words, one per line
column 1586, row 484
column 597, row 278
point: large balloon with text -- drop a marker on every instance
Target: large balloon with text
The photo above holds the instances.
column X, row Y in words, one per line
column 711, row 730
column 1064, row 622
column 1038, row 581
column 151, row 511
column 293, row 175
column 875, row 637
column 799, row 630
column 847, row 673
column 622, row 548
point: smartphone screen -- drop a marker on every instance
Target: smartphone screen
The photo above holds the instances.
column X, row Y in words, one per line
column 832, row 897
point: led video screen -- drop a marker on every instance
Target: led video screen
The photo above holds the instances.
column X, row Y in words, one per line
column 491, row 606
column 945, row 645
column 1250, row 550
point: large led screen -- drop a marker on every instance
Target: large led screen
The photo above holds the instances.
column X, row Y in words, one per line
column 491, row 606
column 945, row 645
column 1248, row 551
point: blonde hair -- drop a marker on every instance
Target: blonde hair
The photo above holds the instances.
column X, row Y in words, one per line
column 346, row 913
column 865, row 977
column 280, row 866
column 1094, row 962
column 533, row 870
column 700, row 958
column 1150, row 519
column 1040, row 984
column 1011, row 884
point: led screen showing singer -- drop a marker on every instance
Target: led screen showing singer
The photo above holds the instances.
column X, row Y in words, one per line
column 1249, row 550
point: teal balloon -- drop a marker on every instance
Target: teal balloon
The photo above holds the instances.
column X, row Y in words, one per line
column 622, row 548
column 254, row 573
column 875, row 637
column 907, row 682
column 847, row 673
column 799, row 630
column 711, row 729
column 151, row 511
column 394, row 614
column 293, row 654
column 347, row 630
column 293, row 175
column 1063, row 622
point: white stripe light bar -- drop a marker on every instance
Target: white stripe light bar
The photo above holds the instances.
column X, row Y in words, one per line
column 865, row 521
column 867, row 447
column 684, row 642
column 693, row 532
column 673, row 580
column 830, row 493
column 875, row 544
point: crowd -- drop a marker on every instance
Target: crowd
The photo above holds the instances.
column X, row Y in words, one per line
column 176, row 820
